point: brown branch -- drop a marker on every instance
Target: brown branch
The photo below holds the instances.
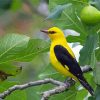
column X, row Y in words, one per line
column 24, row 86
column 61, row 87
column 57, row 90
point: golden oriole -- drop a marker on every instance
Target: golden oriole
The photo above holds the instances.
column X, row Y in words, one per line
column 63, row 59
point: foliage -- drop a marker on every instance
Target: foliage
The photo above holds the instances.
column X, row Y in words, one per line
column 16, row 48
column 89, row 34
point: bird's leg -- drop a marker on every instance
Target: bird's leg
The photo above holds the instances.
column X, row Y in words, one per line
column 69, row 80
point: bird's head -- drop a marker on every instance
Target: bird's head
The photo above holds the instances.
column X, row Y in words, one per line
column 54, row 33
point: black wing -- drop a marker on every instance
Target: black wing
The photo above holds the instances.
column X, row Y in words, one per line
column 64, row 57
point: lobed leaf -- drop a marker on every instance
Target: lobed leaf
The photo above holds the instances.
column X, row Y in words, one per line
column 97, row 93
column 15, row 47
column 56, row 12
column 97, row 73
column 8, row 69
column 88, row 49
column 70, row 19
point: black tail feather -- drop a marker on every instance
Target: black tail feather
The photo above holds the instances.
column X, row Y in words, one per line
column 86, row 85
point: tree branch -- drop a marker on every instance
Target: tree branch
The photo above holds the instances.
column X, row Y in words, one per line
column 57, row 90
column 61, row 87
column 24, row 86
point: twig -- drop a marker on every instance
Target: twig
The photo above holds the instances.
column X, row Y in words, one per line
column 61, row 87
column 24, row 86
column 57, row 90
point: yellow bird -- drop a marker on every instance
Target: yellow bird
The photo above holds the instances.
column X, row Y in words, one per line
column 63, row 59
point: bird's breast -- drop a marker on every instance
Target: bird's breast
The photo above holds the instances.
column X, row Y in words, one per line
column 56, row 64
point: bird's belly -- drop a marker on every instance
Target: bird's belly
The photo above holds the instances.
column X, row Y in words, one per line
column 57, row 65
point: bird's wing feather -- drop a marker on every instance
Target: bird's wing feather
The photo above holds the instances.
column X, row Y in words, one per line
column 65, row 58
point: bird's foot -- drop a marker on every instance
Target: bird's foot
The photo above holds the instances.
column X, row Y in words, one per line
column 69, row 80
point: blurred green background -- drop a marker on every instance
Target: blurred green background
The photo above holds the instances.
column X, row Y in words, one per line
column 27, row 18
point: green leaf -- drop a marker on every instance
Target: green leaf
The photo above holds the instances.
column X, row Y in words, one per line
column 8, row 69
column 56, row 12
column 93, row 59
column 96, row 3
column 81, row 94
column 91, row 98
column 11, row 45
column 97, row 93
column 97, row 54
column 98, row 49
column 33, row 93
column 97, row 74
column 70, row 19
column 17, row 95
column 72, row 39
column 49, row 71
column 67, row 95
column 15, row 47
column 34, row 47
column 90, row 79
column 6, row 84
column 27, row 94
column 87, row 51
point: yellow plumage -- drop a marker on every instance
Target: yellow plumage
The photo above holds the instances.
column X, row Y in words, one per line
column 59, row 41
column 63, row 59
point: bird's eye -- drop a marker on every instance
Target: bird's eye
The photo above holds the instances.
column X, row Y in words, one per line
column 52, row 32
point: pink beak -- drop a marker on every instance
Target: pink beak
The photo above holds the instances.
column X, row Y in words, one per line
column 45, row 31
